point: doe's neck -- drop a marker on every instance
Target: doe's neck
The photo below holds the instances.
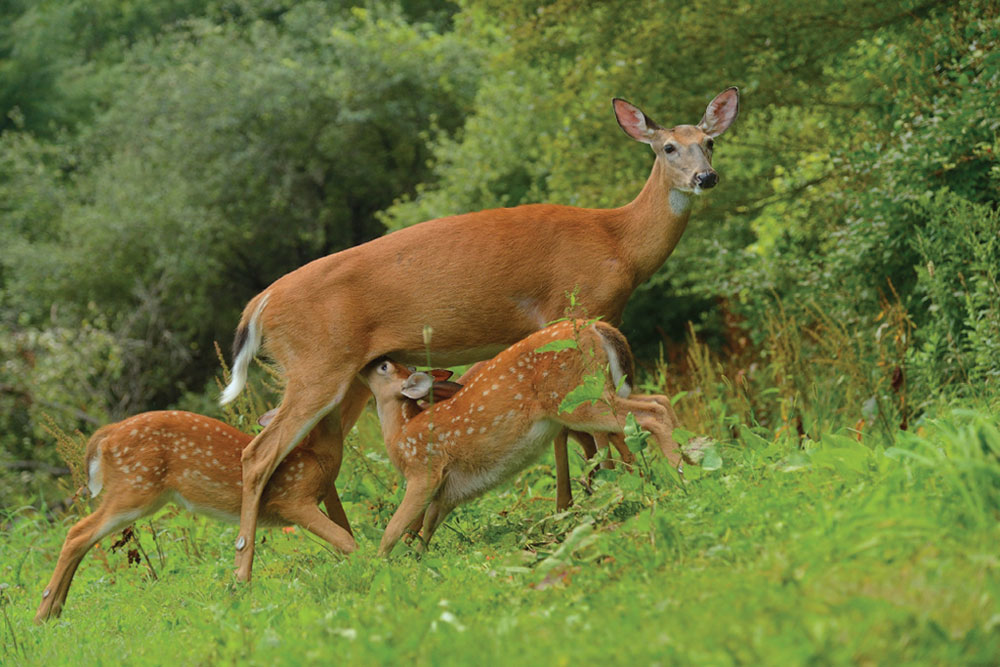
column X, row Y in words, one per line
column 651, row 225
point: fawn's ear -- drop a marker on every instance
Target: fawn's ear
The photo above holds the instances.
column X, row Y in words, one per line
column 440, row 374
column 443, row 390
column 266, row 418
column 417, row 386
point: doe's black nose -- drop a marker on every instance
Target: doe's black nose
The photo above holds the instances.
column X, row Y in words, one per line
column 706, row 179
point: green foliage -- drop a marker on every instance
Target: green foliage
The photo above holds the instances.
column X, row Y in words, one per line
column 959, row 280
column 231, row 150
column 557, row 345
column 897, row 188
column 590, row 390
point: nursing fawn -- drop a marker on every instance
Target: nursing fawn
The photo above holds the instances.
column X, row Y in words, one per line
column 504, row 417
column 145, row 461
column 591, row 443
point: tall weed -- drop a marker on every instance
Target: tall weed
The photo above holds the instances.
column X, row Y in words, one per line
column 810, row 374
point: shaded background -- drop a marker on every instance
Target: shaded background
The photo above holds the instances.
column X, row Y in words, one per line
column 162, row 162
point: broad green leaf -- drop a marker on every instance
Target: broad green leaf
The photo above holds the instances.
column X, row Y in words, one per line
column 682, row 435
column 558, row 345
column 636, row 438
column 591, row 390
column 751, row 439
column 712, row 460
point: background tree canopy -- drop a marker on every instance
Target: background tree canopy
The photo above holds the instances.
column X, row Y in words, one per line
column 161, row 162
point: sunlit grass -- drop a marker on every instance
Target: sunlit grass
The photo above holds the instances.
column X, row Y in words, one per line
column 831, row 551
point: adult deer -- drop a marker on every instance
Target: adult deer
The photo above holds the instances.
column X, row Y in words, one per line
column 145, row 461
column 503, row 418
column 481, row 281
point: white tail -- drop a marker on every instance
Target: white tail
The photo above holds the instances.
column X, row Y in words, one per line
column 480, row 281
column 244, row 350
column 502, row 419
column 155, row 457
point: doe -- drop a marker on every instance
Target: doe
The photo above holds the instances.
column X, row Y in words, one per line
column 481, row 281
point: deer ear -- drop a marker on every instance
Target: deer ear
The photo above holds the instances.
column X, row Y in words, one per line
column 440, row 374
column 443, row 390
column 266, row 418
column 636, row 124
column 721, row 112
column 417, row 386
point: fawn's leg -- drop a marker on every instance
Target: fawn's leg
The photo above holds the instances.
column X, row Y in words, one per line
column 312, row 519
column 564, row 494
column 649, row 414
column 436, row 513
column 350, row 409
column 81, row 537
column 657, row 418
column 618, row 441
column 418, row 493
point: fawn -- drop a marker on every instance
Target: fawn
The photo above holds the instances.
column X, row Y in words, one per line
column 503, row 418
column 589, row 442
column 154, row 457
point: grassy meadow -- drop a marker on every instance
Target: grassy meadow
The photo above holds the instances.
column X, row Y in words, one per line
column 859, row 546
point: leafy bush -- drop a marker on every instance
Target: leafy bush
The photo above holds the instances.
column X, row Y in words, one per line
column 959, row 281
column 229, row 153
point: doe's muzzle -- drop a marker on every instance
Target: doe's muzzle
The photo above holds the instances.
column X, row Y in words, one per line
column 706, row 179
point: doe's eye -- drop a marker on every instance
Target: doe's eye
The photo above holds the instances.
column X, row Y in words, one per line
column 669, row 148
column 710, row 144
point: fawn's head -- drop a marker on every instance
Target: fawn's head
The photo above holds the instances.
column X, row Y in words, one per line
column 390, row 381
column 684, row 151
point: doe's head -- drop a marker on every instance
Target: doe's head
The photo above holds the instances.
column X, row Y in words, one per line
column 684, row 151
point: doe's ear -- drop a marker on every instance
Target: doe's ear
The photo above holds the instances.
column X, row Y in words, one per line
column 440, row 374
column 721, row 112
column 417, row 386
column 636, row 124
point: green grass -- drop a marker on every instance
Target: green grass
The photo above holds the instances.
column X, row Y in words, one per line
column 829, row 552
